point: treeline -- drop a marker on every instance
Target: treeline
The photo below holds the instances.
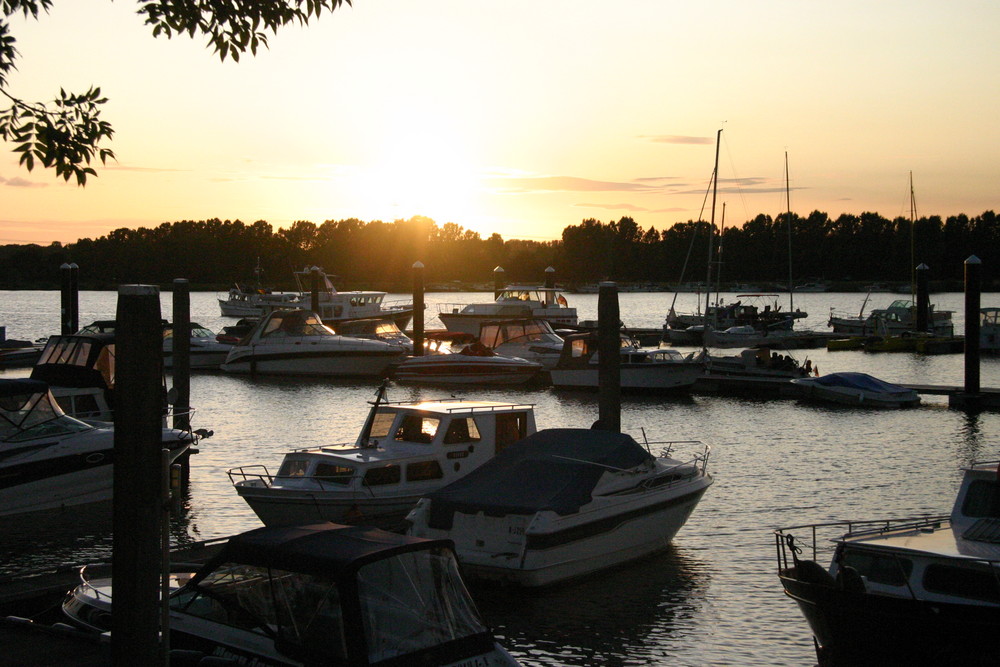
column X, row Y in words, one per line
column 213, row 254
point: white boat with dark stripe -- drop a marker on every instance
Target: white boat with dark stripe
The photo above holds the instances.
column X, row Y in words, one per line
column 296, row 342
column 564, row 503
column 474, row 364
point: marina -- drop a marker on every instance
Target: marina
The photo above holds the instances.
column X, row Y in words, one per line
column 709, row 598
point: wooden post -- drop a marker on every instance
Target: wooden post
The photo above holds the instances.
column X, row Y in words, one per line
column 973, row 279
column 499, row 282
column 609, row 349
column 65, row 308
column 550, row 278
column 418, row 309
column 136, row 553
column 923, row 299
column 181, row 367
column 314, row 302
column 74, row 297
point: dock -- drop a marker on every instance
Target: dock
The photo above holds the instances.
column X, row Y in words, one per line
column 986, row 398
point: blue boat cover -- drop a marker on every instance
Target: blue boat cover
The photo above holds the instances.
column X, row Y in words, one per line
column 860, row 381
column 554, row 469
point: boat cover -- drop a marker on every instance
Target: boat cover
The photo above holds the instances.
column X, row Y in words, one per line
column 553, row 469
column 860, row 381
column 324, row 549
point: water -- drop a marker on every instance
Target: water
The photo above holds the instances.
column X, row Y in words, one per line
column 713, row 598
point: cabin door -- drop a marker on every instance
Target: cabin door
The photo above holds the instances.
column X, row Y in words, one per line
column 511, row 427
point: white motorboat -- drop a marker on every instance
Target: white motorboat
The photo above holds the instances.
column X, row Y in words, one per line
column 513, row 302
column 206, row 351
column 404, row 451
column 756, row 363
column 473, row 364
column 531, row 339
column 319, row 594
column 661, row 369
column 296, row 342
column 333, row 306
column 857, row 389
column 375, row 328
column 244, row 301
column 911, row 591
column 564, row 503
column 49, row 460
column 899, row 317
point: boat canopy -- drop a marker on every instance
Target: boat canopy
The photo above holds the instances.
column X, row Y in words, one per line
column 553, row 469
column 28, row 411
column 77, row 360
column 859, row 381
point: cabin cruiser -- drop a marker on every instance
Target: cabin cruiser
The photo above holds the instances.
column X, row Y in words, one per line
column 759, row 312
column 900, row 316
column 296, row 342
column 530, row 339
column 857, row 389
column 657, row 369
column 760, row 362
column 472, row 364
column 332, row 307
column 911, row 591
column 404, row 451
column 321, row 594
column 205, row 351
column 375, row 328
column 512, row 302
column 49, row 460
column 564, row 503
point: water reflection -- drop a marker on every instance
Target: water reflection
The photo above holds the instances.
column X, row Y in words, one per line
column 628, row 615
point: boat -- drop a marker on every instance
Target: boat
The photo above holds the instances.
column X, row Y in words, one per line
column 857, row 389
column 989, row 330
column 911, row 591
column 761, row 312
column 512, row 302
column 332, row 305
column 320, row 594
column 898, row 317
column 234, row 333
column 296, row 342
column 532, row 339
column 472, row 364
column 404, row 451
column 50, row 460
column 247, row 299
column 375, row 328
column 761, row 362
column 656, row 369
column 206, row 352
column 79, row 370
column 813, row 287
column 562, row 504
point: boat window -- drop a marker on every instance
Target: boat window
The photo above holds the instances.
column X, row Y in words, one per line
column 579, row 348
column 293, row 468
column 976, row 583
column 337, row 474
column 389, row 474
column 382, row 423
column 462, row 429
column 417, row 428
column 84, row 405
column 511, row 427
column 982, row 499
column 878, row 568
column 422, row 470
column 230, row 595
column 414, row 601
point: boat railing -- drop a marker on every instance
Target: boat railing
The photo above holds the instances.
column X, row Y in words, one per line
column 257, row 471
column 397, row 305
column 697, row 464
column 263, row 475
column 789, row 542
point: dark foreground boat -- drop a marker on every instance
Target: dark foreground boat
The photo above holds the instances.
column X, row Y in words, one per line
column 917, row 591
column 321, row 594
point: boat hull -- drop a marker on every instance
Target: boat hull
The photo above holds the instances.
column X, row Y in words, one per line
column 651, row 377
column 284, row 507
column 471, row 323
column 449, row 369
column 349, row 363
column 857, row 628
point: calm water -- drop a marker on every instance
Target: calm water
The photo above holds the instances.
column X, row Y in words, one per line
column 713, row 599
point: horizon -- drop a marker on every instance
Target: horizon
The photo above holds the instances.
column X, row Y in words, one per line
column 520, row 120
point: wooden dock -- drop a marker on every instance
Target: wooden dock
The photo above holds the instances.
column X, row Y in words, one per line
column 986, row 399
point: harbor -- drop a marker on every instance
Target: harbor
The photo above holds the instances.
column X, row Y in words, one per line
column 711, row 598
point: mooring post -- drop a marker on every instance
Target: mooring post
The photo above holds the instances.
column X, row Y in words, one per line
column 550, row 277
column 923, row 298
column 418, row 309
column 314, row 302
column 65, row 309
column 609, row 366
column 137, row 503
column 973, row 285
column 181, row 367
column 498, row 281
column 74, row 297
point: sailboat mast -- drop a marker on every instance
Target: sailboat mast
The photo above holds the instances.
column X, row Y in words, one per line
column 788, row 214
column 711, row 228
column 913, row 234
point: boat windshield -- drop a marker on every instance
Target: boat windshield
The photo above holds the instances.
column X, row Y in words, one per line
column 414, row 601
column 295, row 323
column 35, row 415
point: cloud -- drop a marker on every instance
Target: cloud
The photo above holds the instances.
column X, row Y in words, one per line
column 567, row 184
column 615, row 207
column 676, row 139
column 18, row 182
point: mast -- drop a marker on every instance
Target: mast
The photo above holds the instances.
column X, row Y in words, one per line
column 788, row 213
column 913, row 234
column 711, row 228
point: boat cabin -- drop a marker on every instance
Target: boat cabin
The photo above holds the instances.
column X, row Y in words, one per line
column 80, row 370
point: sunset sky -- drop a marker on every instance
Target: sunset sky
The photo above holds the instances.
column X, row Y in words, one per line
column 522, row 117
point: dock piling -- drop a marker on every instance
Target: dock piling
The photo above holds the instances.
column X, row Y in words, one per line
column 418, row 309
column 923, row 298
column 499, row 282
column 609, row 349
